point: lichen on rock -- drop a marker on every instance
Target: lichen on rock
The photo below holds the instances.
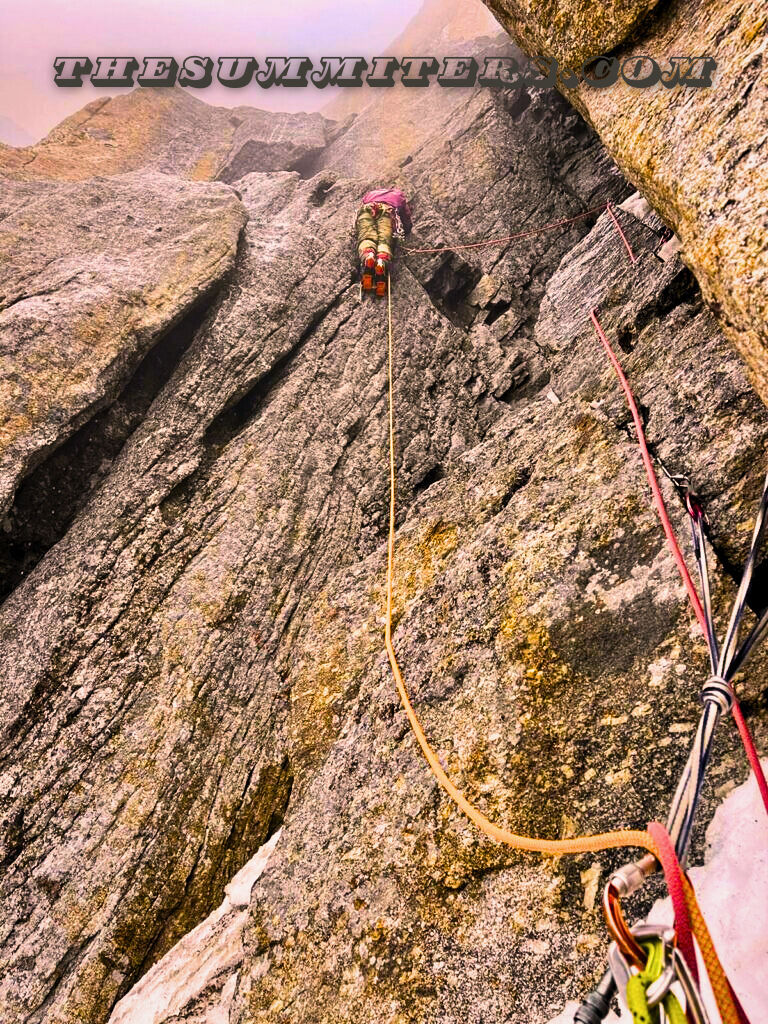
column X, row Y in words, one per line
column 194, row 648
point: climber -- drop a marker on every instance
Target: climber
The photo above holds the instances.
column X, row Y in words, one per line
column 383, row 216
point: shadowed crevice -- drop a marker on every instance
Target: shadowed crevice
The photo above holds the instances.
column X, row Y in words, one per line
column 50, row 497
column 263, row 809
column 449, row 286
column 430, row 477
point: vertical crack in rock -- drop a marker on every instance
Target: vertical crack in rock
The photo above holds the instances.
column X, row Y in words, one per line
column 238, row 413
column 49, row 498
column 270, row 797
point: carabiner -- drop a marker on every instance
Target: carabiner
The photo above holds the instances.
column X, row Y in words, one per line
column 622, row 883
column 675, row 974
column 694, row 1004
column 660, row 988
column 694, row 507
column 619, row 929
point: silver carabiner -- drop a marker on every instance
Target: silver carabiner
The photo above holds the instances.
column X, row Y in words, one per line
column 694, row 1004
column 659, row 989
column 621, row 969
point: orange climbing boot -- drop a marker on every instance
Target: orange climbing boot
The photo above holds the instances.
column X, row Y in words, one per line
column 382, row 275
column 367, row 270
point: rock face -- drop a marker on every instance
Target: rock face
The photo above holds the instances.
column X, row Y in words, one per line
column 535, row 600
column 172, row 131
column 199, row 975
column 393, row 122
column 91, row 276
column 572, row 31
column 192, row 637
column 698, row 155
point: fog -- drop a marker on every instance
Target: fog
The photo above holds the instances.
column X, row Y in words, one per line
column 32, row 34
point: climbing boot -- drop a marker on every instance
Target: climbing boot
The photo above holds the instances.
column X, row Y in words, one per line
column 367, row 270
column 382, row 275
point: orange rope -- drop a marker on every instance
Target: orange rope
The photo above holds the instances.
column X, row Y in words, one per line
column 727, row 1004
column 553, row 847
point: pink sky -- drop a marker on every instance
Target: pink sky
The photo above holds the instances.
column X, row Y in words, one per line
column 33, row 32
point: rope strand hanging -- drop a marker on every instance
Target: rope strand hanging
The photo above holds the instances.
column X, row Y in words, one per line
column 717, row 693
column 552, row 847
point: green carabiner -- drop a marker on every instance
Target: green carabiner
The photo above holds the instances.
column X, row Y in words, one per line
column 638, row 985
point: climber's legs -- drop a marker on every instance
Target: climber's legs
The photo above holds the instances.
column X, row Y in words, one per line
column 385, row 231
column 374, row 228
column 367, row 241
column 385, row 227
column 367, row 230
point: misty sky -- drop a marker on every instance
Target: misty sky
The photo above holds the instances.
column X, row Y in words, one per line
column 33, row 32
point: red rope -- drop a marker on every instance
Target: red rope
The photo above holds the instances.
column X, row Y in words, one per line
column 752, row 755
column 673, row 874
column 693, row 596
column 632, row 257
column 744, row 732
column 677, row 883
column 661, row 508
column 521, row 234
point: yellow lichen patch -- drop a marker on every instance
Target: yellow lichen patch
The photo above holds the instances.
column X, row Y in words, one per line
column 418, row 560
column 8, row 241
column 102, row 327
column 74, row 911
column 524, row 640
column 206, row 167
column 97, row 986
column 14, row 427
column 754, row 31
column 336, row 659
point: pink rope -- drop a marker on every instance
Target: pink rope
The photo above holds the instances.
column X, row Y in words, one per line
column 521, row 234
column 632, row 257
column 661, row 509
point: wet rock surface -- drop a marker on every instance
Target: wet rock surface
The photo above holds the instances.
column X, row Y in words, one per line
column 196, row 658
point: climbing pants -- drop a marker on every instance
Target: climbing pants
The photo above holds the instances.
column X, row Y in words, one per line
column 375, row 228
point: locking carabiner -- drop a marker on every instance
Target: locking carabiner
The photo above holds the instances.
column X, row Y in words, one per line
column 675, row 978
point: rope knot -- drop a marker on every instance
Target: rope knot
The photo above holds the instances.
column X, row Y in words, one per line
column 718, row 691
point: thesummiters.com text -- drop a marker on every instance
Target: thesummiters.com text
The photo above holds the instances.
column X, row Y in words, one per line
column 197, row 72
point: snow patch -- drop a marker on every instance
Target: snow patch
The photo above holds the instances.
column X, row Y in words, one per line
column 638, row 206
column 205, row 963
